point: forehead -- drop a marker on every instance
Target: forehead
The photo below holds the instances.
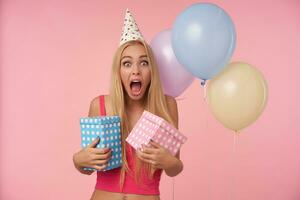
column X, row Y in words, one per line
column 136, row 50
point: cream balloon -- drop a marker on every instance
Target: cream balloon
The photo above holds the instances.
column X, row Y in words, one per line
column 237, row 96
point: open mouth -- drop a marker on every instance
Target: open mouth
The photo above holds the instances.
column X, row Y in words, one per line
column 136, row 87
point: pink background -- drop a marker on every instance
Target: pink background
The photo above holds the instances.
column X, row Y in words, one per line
column 56, row 56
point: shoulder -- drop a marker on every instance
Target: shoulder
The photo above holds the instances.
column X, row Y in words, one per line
column 172, row 107
column 95, row 105
column 171, row 102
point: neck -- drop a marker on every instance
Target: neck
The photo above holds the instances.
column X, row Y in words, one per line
column 134, row 104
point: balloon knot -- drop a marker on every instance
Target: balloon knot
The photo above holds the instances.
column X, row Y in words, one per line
column 203, row 82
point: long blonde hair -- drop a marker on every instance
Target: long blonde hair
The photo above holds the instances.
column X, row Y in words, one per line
column 155, row 102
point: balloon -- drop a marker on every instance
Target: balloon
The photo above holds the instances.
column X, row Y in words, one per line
column 175, row 79
column 203, row 39
column 237, row 96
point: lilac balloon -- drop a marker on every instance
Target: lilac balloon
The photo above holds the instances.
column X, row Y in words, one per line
column 175, row 79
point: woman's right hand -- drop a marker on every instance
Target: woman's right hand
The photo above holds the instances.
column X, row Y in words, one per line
column 90, row 156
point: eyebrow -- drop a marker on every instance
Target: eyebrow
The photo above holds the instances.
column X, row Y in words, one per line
column 131, row 57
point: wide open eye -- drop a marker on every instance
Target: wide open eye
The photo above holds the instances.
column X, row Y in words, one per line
column 144, row 63
column 126, row 64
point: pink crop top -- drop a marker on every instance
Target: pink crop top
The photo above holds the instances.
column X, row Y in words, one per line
column 109, row 180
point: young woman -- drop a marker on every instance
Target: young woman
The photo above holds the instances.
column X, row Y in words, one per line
column 135, row 87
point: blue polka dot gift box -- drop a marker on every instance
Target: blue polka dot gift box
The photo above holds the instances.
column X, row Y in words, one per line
column 108, row 129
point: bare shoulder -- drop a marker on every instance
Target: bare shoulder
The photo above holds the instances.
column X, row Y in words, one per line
column 94, row 107
column 171, row 102
column 172, row 107
column 107, row 105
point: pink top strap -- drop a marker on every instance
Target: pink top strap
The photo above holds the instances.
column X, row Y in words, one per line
column 102, row 105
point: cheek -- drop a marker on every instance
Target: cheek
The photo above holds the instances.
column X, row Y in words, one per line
column 124, row 75
column 147, row 76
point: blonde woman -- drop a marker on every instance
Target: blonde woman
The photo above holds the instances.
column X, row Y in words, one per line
column 135, row 87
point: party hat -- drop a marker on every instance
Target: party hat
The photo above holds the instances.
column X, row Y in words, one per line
column 130, row 29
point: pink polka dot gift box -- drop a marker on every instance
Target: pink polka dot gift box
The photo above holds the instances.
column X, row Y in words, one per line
column 151, row 126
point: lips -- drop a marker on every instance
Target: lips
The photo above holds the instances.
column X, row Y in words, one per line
column 136, row 87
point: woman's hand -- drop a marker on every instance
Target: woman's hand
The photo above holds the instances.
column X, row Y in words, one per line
column 92, row 157
column 157, row 155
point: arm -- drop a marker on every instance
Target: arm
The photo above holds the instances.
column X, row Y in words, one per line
column 93, row 111
column 176, row 165
column 160, row 157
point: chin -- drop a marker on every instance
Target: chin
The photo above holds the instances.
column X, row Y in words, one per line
column 136, row 98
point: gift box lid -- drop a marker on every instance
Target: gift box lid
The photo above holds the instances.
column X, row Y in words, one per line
column 100, row 120
column 166, row 126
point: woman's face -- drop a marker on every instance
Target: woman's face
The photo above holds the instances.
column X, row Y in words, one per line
column 135, row 71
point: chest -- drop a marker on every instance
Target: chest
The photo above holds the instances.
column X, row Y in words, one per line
column 133, row 115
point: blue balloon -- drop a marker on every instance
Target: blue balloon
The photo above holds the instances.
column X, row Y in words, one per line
column 203, row 39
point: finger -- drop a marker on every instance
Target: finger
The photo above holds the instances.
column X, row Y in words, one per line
column 146, row 155
column 178, row 154
column 97, row 167
column 88, row 172
column 149, row 150
column 94, row 143
column 100, row 162
column 102, row 156
column 154, row 144
column 146, row 160
column 101, row 150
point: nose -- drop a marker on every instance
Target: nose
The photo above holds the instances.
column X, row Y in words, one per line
column 135, row 70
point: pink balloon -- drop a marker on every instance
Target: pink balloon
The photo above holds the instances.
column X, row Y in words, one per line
column 175, row 79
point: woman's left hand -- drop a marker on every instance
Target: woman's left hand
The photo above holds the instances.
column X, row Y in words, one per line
column 156, row 155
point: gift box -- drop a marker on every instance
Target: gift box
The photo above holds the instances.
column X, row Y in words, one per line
column 108, row 129
column 150, row 126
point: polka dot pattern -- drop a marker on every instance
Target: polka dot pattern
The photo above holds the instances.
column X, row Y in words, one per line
column 108, row 129
column 150, row 126
column 130, row 29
